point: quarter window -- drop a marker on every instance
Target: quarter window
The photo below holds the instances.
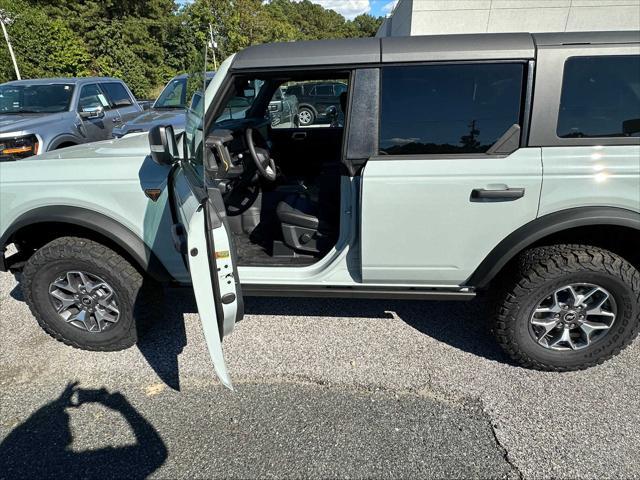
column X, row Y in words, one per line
column 600, row 97
column 448, row 109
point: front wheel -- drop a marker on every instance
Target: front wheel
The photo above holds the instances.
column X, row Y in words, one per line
column 568, row 307
column 85, row 294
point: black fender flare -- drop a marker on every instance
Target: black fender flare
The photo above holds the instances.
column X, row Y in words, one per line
column 544, row 226
column 98, row 223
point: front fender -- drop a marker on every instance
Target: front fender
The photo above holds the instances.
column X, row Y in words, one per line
column 64, row 138
column 98, row 223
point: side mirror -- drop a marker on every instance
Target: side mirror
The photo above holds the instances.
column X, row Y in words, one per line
column 90, row 112
column 164, row 147
column 145, row 104
column 332, row 112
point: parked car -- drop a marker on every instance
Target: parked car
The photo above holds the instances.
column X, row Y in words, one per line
column 315, row 98
column 283, row 110
column 41, row 115
column 503, row 165
column 169, row 108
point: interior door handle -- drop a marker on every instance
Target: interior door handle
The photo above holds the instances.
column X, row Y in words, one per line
column 298, row 135
column 502, row 195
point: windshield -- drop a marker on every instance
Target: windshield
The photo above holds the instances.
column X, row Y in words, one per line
column 52, row 98
column 174, row 95
column 246, row 91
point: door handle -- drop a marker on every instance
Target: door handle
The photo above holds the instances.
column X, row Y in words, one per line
column 299, row 135
column 502, row 195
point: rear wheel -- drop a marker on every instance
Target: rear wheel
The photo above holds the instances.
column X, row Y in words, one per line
column 306, row 117
column 85, row 294
column 568, row 307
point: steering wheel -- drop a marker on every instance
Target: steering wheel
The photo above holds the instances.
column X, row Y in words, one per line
column 264, row 163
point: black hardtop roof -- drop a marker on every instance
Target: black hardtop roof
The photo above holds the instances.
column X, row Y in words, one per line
column 480, row 46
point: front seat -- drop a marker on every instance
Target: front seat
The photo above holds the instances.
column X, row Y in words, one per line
column 310, row 220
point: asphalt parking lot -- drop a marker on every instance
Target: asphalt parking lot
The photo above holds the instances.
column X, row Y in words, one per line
column 324, row 388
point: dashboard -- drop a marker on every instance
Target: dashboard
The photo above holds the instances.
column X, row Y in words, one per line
column 227, row 153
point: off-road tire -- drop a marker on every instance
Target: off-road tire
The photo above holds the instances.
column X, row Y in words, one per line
column 138, row 299
column 539, row 271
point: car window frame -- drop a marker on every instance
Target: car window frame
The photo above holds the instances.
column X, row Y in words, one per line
column 525, row 108
column 548, row 91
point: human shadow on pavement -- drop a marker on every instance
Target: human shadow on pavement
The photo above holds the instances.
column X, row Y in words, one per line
column 462, row 324
column 41, row 446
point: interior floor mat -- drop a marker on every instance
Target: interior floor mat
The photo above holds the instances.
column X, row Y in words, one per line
column 251, row 254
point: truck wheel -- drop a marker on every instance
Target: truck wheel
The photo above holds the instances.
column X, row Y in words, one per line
column 306, row 117
column 84, row 294
column 568, row 307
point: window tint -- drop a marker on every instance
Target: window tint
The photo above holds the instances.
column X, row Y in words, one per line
column 600, row 97
column 91, row 96
column 339, row 88
column 324, row 90
column 448, row 109
column 117, row 94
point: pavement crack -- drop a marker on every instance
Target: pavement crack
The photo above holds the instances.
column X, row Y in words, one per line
column 502, row 449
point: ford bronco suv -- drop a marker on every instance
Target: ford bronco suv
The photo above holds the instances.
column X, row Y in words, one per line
column 506, row 164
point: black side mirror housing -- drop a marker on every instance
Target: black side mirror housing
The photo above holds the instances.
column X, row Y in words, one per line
column 164, row 147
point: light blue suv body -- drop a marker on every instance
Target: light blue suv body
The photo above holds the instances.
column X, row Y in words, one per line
column 502, row 163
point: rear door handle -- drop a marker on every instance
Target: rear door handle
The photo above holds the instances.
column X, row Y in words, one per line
column 299, row 135
column 502, row 195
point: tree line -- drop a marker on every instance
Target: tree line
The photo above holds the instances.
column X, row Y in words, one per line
column 146, row 42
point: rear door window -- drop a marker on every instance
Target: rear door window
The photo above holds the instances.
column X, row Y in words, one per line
column 117, row 94
column 448, row 109
column 600, row 97
column 324, row 90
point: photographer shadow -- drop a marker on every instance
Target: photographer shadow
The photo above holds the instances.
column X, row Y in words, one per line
column 40, row 447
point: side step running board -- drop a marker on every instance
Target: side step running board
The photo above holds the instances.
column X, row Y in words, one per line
column 254, row 290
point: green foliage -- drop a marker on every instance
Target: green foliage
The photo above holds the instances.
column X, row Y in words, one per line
column 146, row 42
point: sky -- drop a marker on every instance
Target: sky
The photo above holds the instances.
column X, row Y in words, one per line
column 353, row 8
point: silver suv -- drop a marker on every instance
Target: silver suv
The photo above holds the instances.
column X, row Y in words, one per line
column 41, row 115
column 499, row 165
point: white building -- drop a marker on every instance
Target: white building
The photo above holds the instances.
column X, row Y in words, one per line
column 424, row 17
